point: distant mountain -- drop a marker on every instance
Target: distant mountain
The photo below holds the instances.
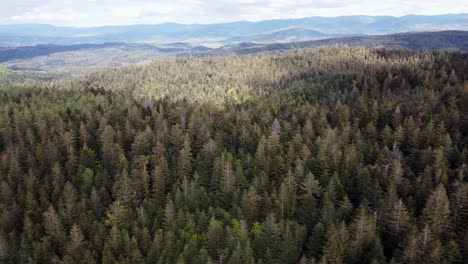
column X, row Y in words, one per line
column 294, row 34
column 262, row 31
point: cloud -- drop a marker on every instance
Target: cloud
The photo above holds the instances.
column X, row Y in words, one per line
column 113, row 12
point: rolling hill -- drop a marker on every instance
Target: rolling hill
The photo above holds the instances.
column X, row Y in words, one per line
column 293, row 34
column 432, row 41
column 90, row 57
column 171, row 32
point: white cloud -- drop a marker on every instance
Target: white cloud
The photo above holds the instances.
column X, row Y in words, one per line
column 112, row 12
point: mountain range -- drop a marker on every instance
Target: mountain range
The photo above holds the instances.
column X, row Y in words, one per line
column 79, row 58
column 267, row 31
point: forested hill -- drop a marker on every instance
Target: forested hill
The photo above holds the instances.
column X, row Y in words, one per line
column 77, row 59
column 328, row 155
column 442, row 40
column 28, row 52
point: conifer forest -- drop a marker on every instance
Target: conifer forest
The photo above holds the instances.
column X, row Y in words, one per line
column 315, row 156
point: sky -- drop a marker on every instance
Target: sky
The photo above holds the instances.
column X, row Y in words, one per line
column 84, row 13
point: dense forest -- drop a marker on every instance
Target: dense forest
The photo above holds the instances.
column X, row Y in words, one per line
column 327, row 155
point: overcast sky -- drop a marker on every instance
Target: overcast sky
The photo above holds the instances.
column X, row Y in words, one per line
column 119, row 12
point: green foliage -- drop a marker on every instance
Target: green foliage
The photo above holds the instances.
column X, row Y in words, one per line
column 340, row 155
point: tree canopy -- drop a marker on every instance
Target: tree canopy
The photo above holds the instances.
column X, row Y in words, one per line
column 330, row 155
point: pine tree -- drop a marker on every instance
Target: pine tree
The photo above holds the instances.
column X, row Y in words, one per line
column 184, row 161
column 228, row 180
column 159, row 176
column 75, row 247
column 328, row 212
column 459, row 216
column 53, row 226
column 397, row 219
column 310, row 190
column 365, row 246
column 336, row 245
column 250, row 204
column 436, row 214
column 316, row 241
column 124, row 188
column 215, row 239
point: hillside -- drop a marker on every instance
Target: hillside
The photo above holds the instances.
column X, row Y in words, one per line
column 327, row 155
column 77, row 59
column 293, row 34
column 85, row 58
column 430, row 41
column 450, row 40
column 28, row 52
column 10, row 77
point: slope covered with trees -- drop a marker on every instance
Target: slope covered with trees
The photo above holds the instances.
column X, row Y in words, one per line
column 332, row 155
column 450, row 40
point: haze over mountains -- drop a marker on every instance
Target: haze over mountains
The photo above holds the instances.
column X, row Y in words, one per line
column 41, row 48
column 285, row 30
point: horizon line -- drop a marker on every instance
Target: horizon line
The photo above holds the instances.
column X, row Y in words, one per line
column 220, row 23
